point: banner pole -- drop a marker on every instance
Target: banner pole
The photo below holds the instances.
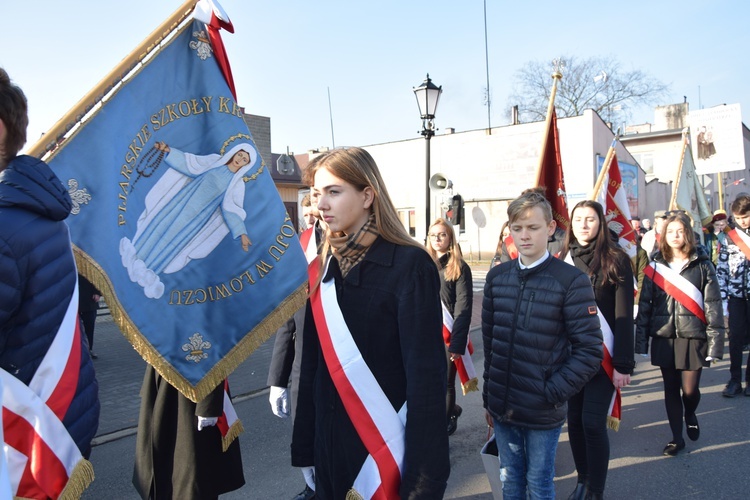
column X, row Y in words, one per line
column 556, row 76
column 55, row 135
column 605, row 167
column 673, row 200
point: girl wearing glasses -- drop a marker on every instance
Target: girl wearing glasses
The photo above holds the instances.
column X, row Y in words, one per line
column 456, row 293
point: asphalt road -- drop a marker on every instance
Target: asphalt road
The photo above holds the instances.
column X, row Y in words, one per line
column 715, row 467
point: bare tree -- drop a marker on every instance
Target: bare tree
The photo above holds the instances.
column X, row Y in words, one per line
column 597, row 83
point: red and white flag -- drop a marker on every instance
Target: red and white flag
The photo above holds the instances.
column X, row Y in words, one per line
column 614, row 201
column 551, row 175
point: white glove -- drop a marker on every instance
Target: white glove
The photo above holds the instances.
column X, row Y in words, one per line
column 725, row 308
column 204, row 422
column 279, row 401
column 309, row 473
column 635, row 311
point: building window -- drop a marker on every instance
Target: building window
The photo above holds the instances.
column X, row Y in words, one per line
column 646, row 161
column 408, row 220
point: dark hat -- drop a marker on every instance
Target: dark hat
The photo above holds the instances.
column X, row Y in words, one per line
column 719, row 215
column 660, row 214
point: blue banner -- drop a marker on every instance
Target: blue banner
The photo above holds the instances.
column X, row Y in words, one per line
column 177, row 219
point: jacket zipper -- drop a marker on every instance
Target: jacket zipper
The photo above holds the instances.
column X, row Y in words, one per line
column 512, row 343
column 528, row 311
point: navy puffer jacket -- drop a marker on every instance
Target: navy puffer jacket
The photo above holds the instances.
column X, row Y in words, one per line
column 542, row 341
column 37, row 281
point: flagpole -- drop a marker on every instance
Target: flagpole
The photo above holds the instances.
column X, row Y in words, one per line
column 673, row 201
column 605, row 167
column 721, row 191
column 95, row 95
column 556, row 76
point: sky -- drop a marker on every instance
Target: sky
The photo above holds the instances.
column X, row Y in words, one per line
column 287, row 56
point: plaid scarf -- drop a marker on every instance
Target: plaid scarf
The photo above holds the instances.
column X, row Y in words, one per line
column 350, row 250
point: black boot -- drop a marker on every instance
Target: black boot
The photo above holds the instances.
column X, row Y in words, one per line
column 580, row 492
column 453, row 419
column 594, row 496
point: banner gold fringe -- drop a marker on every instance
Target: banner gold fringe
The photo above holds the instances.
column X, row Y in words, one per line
column 353, row 494
column 80, row 479
column 471, row 385
column 613, row 423
column 239, row 353
column 233, row 433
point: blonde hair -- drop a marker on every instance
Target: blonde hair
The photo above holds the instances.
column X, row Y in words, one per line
column 453, row 267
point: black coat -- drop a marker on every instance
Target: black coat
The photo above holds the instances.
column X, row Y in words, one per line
column 615, row 301
column 660, row 315
column 172, row 458
column 542, row 341
column 86, row 291
column 458, row 297
column 285, row 365
column 391, row 304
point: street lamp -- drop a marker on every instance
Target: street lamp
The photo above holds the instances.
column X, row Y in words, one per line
column 428, row 95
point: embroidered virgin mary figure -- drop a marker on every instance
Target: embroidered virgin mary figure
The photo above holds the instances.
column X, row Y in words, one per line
column 189, row 211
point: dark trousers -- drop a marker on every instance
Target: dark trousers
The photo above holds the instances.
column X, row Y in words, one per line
column 88, row 319
column 739, row 324
column 587, row 430
column 450, row 395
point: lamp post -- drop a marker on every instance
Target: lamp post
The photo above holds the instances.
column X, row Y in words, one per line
column 427, row 95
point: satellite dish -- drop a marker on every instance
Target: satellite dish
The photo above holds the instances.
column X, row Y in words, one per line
column 285, row 165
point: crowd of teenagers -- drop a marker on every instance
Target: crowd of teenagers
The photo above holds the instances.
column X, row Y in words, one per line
column 374, row 355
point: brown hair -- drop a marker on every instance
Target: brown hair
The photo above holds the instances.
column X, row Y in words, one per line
column 15, row 117
column 355, row 166
column 453, row 267
column 741, row 205
column 530, row 198
column 500, row 239
column 606, row 251
column 689, row 247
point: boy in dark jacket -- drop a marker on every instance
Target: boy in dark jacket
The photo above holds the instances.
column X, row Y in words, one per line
column 733, row 273
column 542, row 343
column 38, row 315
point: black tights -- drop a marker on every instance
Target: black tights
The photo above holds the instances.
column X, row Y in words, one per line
column 587, row 430
column 687, row 381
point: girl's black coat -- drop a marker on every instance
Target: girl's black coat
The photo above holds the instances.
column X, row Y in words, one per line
column 660, row 315
column 391, row 304
column 615, row 301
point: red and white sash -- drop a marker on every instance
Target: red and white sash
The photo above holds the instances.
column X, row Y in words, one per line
column 43, row 460
column 740, row 239
column 229, row 423
column 379, row 426
column 309, row 245
column 676, row 286
column 464, row 364
column 614, row 415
